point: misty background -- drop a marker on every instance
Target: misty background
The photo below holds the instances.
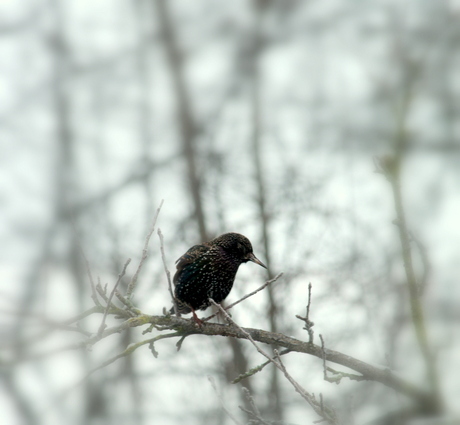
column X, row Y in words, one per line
column 259, row 117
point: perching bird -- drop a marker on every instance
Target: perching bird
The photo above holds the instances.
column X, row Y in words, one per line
column 208, row 271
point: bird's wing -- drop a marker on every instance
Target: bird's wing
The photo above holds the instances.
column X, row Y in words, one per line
column 191, row 255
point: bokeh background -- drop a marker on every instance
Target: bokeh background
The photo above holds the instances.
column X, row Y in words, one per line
column 261, row 117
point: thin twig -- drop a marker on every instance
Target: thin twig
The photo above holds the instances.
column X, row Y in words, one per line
column 251, row 401
column 81, row 316
column 308, row 323
column 63, row 324
column 129, row 350
column 130, row 309
column 109, row 300
column 256, row 369
column 168, row 274
column 326, row 413
column 133, row 282
column 335, row 380
column 51, row 326
column 113, row 309
column 88, row 267
column 101, row 291
column 255, row 417
column 268, row 282
column 255, row 413
column 91, row 281
column 248, row 336
column 229, row 414
column 324, row 358
column 340, row 375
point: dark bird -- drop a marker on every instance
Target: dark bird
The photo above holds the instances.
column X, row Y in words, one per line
column 208, row 271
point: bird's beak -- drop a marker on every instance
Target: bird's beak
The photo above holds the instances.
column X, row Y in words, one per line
column 254, row 259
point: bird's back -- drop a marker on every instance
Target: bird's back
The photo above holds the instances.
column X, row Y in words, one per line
column 203, row 272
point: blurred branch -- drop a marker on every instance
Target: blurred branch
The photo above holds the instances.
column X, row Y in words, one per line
column 390, row 167
column 18, row 396
column 139, row 174
column 187, row 125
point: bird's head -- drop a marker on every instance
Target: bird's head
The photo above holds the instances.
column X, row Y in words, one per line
column 239, row 246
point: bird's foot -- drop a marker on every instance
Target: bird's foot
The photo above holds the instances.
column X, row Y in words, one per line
column 196, row 319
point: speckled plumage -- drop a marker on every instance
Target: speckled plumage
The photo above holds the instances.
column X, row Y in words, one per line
column 208, row 271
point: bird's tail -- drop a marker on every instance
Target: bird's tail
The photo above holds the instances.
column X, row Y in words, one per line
column 181, row 307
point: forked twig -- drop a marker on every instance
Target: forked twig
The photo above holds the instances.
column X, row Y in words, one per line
column 327, row 414
column 109, row 300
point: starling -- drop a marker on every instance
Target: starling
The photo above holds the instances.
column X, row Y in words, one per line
column 208, row 271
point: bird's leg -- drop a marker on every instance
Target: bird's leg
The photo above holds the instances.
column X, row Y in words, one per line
column 196, row 319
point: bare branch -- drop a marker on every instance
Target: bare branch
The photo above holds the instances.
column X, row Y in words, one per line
column 187, row 327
